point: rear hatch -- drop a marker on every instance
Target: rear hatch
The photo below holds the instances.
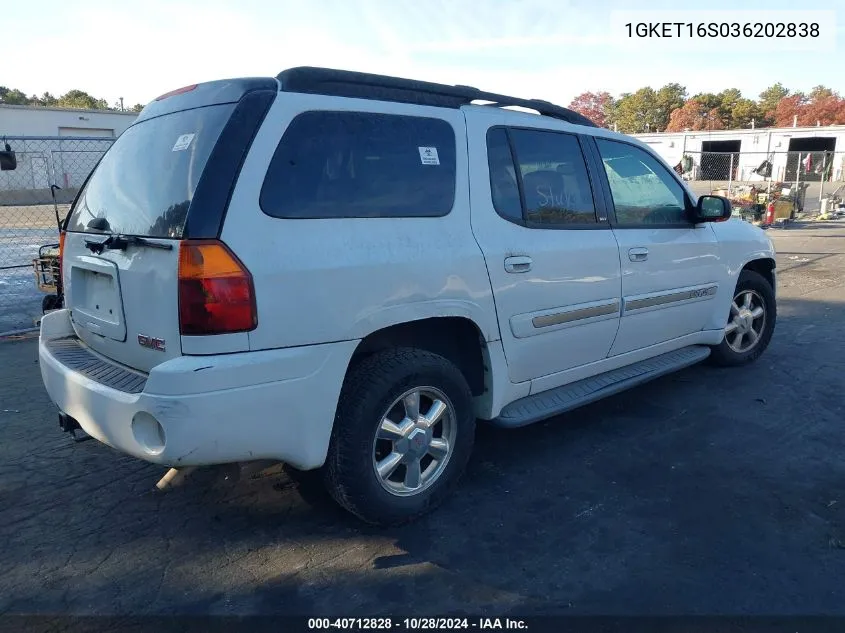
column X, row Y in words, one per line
column 165, row 179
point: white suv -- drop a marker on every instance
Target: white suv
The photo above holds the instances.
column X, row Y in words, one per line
column 344, row 271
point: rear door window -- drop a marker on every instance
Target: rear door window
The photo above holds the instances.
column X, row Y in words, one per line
column 555, row 183
column 146, row 181
column 361, row 165
column 539, row 178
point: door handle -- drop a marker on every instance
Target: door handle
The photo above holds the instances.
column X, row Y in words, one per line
column 518, row 264
column 638, row 254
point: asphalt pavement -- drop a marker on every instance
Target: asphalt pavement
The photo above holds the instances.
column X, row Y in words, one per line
column 710, row 491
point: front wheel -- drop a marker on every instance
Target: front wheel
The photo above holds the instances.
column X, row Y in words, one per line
column 402, row 436
column 751, row 322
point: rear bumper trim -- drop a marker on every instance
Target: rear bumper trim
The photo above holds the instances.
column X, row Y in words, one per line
column 74, row 354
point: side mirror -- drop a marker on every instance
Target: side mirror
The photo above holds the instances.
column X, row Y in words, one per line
column 712, row 209
column 8, row 160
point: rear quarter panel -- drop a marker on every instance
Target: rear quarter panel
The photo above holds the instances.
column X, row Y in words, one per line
column 324, row 280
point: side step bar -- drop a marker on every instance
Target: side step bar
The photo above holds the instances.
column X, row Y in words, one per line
column 546, row 404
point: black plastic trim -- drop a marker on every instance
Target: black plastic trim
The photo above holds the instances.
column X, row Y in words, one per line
column 214, row 191
column 520, row 186
column 73, row 353
column 345, row 83
column 604, row 185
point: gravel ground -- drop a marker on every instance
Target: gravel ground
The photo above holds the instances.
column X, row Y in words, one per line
column 705, row 492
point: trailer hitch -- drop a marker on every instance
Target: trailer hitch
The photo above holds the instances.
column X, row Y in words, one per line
column 70, row 425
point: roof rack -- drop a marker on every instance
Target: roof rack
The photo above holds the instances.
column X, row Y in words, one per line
column 346, row 83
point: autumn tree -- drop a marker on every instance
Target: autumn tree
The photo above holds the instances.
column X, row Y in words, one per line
column 669, row 97
column 694, row 115
column 821, row 92
column 648, row 110
column 823, row 107
column 731, row 108
column 788, row 108
column 769, row 100
column 596, row 106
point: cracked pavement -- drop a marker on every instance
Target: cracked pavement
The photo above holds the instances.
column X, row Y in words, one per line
column 705, row 492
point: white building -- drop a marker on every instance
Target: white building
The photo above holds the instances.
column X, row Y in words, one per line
column 736, row 153
column 37, row 121
column 54, row 146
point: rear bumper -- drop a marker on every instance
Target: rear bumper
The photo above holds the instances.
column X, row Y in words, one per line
column 202, row 410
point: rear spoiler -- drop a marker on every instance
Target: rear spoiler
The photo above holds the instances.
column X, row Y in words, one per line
column 205, row 94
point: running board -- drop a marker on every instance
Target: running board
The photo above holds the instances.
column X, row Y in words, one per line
column 549, row 403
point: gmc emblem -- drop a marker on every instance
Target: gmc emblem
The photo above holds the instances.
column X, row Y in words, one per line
column 151, row 342
column 702, row 292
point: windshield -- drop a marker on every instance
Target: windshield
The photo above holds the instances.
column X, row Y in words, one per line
column 146, row 181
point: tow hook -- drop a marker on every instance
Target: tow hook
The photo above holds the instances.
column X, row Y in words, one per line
column 70, row 425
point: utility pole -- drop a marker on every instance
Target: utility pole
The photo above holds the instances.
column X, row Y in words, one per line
column 121, row 104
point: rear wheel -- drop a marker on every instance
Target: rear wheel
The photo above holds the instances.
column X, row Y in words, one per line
column 402, row 435
column 751, row 322
column 50, row 302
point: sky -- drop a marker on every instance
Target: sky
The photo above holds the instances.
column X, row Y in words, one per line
column 547, row 49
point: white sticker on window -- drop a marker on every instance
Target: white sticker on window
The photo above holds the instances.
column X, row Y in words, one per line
column 183, row 142
column 428, row 156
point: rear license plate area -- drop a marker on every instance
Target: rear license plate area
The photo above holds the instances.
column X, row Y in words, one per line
column 96, row 300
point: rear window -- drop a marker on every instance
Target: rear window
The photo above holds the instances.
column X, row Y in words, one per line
column 146, row 181
column 361, row 165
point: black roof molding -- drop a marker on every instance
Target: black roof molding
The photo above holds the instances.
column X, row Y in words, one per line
column 346, row 83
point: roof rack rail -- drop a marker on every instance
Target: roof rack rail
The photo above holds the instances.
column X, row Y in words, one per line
column 346, row 83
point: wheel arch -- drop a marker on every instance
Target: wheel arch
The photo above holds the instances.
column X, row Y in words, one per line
column 765, row 267
column 457, row 338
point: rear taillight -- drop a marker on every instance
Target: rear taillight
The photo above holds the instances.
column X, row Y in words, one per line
column 216, row 295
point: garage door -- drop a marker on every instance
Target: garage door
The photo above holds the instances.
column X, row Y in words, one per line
column 86, row 131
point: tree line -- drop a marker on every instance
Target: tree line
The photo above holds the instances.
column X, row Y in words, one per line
column 669, row 109
column 71, row 99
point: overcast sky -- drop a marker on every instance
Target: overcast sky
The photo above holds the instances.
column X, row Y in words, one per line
column 549, row 49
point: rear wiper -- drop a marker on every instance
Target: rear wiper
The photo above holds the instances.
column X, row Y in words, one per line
column 119, row 242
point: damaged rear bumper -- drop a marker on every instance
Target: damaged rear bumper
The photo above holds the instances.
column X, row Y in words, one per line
column 203, row 410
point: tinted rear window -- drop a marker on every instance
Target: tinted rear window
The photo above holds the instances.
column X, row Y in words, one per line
column 146, row 181
column 361, row 165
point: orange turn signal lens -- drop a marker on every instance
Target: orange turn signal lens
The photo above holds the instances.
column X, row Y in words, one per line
column 61, row 251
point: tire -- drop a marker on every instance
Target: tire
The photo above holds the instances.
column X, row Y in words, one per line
column 50, row 302
column 371, row 392
column 762, row 296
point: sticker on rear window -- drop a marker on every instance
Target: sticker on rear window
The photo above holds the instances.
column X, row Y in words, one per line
column 183, row 142
column 428, row 156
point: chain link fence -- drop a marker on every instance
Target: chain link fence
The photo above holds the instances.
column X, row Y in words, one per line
column 46, row 167
column 812, row 181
